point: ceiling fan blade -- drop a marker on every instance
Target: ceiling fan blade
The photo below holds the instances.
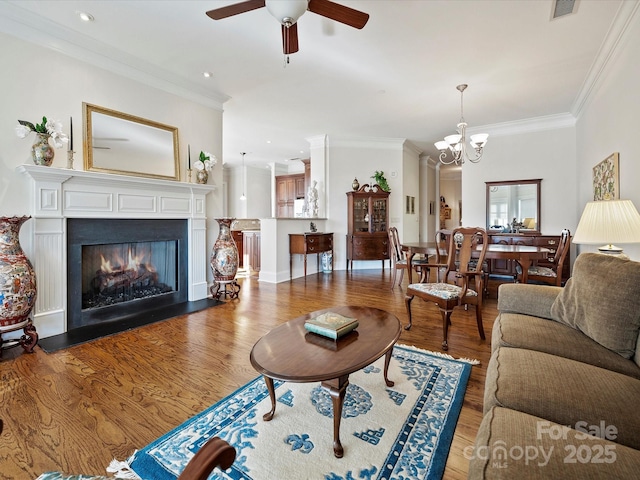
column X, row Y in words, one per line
column 235, row 9
column 290, row 39
column 339, row 13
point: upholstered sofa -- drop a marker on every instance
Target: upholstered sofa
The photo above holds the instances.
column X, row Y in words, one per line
column 562, row 393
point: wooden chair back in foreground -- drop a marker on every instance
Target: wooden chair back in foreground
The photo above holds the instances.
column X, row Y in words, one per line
column 551, row 275
column 462, row 282
column 399, row 260
column 215, row 453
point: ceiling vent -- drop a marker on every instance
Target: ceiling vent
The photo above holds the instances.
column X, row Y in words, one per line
column 563, row 7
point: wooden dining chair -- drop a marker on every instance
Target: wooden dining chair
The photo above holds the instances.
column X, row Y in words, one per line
column 551, row 275
column 461, row 282
column 399, row 260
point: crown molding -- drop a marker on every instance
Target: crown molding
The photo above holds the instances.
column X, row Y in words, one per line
column 32, row 28
column 606, row 54
column 527, row 125
column 428, row 160
column 409, row 146
column 317, row 141
column 381, row 143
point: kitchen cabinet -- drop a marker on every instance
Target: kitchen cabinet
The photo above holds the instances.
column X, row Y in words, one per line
column 288, row 189
column 368, row 221
column 251, row 250
column 239, row 239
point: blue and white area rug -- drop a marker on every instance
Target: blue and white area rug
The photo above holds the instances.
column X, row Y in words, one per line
column 402, row 432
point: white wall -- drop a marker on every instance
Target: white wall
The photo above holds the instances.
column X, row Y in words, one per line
column 349, row 158
column 255, row 183
column 546, row 154
column 427, row 195
column 37, row 81
column 608, row 123
column 410, row 227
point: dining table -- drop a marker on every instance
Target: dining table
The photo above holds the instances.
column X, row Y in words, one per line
column 525, row 255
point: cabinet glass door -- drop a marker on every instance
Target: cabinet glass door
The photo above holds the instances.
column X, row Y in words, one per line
column 379, row 213
column 361, row 215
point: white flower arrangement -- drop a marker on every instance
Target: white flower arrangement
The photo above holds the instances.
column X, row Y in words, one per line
column 206, row 161
column 51, row 128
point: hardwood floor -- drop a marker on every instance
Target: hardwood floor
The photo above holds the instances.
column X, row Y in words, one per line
column 76, row 409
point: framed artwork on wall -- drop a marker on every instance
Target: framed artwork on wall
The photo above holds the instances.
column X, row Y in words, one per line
column 606, row 179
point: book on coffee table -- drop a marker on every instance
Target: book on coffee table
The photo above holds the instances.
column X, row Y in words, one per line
column 332, row 325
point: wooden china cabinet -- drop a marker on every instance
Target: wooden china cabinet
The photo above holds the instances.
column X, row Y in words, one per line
column 368, row 221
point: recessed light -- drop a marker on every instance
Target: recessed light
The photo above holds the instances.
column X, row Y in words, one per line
column 268, row 141
column 85, row 17
column 207, row 74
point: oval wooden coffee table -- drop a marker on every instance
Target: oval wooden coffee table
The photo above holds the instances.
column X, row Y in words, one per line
column 292, row 354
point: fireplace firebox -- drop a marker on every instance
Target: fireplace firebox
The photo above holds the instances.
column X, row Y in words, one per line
column 118, row 268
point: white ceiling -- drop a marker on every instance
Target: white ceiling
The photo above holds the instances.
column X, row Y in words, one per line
column 395, row 78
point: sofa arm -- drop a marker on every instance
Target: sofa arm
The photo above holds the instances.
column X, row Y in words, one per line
column 535, row 300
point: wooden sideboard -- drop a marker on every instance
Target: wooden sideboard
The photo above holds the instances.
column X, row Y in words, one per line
column 306, row 243
column 508, row 267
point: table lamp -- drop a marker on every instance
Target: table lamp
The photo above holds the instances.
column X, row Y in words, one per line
column 608, row 222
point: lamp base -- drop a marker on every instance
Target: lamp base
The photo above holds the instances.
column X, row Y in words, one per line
column 612, row 250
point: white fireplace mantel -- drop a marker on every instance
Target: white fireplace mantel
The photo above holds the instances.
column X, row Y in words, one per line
column 60, row 193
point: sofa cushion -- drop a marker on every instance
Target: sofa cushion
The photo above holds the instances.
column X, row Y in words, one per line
column 602, row 300
column 535, row 300
column 564, row 391
column 512, row 444
column 549, row 336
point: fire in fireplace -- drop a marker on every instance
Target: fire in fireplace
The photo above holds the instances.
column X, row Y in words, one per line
column 123, row 267
column 127, row 271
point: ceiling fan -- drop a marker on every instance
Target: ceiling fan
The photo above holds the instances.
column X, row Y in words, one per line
column 287, row 12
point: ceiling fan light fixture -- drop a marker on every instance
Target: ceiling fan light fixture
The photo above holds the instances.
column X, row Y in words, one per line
column 286, row 12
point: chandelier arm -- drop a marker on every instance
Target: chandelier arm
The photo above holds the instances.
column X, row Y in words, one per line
column 445, row 161
column 474, row 159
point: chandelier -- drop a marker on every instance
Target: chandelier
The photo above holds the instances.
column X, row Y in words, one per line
column 457, row 144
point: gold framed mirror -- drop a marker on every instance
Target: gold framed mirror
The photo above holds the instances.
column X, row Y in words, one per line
column 116, row 142
column 517, row 200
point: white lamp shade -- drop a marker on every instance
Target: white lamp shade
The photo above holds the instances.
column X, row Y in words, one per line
column 441, row 145
column 479, row 139
column 293, row 9
column 452, row 139
column 608, row 222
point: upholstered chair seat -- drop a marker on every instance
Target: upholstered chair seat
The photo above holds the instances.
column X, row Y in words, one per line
column 446, row 291
column 542, row 271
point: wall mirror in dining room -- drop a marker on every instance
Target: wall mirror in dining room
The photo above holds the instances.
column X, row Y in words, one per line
column 116, row 142
column 513, row 206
